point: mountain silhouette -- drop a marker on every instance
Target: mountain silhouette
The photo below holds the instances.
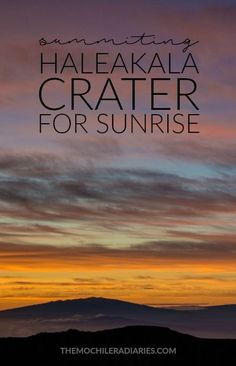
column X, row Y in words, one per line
column 171, row 347
column 92, row 314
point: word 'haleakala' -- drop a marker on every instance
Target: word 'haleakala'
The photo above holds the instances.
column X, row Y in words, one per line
column 106, row 63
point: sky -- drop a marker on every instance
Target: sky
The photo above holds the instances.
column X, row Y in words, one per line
column 148, row 218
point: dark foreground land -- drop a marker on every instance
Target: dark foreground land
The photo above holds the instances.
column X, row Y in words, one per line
column 177, row 348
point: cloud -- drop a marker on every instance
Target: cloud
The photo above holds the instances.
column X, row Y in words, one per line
column 205, row 237
column 191, row 250
column 33, row 165
column 203, row 151
column 156, row 254
column 47, row 189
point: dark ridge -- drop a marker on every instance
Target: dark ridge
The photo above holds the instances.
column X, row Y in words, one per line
column 46, row 347
column 97, row 313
